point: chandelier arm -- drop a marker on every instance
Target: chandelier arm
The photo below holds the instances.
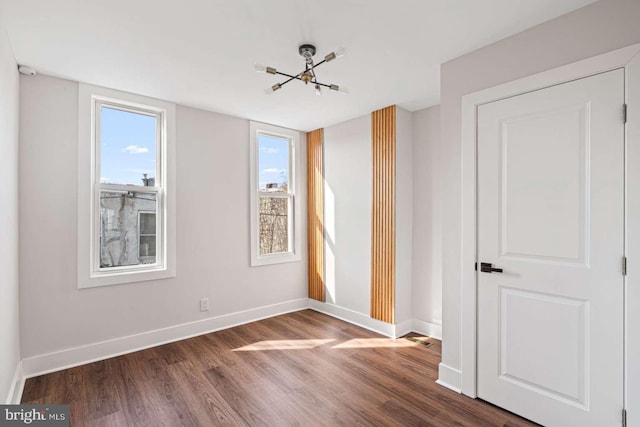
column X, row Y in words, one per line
column 300, row 73
column 323, row 84
column 290, row 77
column 297, row 78
column 319, row 63
column 286, row 81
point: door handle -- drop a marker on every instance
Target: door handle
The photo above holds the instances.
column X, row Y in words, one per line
column 486, row 267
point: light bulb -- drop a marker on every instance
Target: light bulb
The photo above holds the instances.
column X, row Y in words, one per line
column 339, row 89
column 318, row 90
column 272, row 89
column 264, row 69
column 337, row 54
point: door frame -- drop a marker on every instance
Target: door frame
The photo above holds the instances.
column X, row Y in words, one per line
column 620, row 58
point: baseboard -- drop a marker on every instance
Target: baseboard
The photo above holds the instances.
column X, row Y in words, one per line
column 427, row 328
column 450, row 378
column 358, row 319
column 403, row 328
column 76, row 356
column 17, row 385
column 63, row 359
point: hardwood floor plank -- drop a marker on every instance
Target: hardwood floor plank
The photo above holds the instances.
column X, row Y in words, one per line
column 69, row 386
column 406, row 416
column 36, row 388
column 302, row 368
column 246, row 403
column 102, row 397
column 116, row 419
column 169, row 400
column 136, row 397
column 172, row 353
column 202, row 397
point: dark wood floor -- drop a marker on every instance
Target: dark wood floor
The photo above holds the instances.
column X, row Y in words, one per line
column 302, row 368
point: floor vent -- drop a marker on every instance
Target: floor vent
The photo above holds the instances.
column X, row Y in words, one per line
column 419, row 341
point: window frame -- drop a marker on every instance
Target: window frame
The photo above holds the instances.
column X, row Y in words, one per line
column 292, row 194
column 90, row 273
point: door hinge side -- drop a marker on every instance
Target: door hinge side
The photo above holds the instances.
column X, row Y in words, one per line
column 624, row 265
column 624, row 113
column 624, row 418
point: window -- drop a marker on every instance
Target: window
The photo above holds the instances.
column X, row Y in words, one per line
column 125, row 202
column 275, row 235
column 126, row 163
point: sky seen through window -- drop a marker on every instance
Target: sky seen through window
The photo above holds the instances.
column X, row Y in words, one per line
column 273, row 161
column 127, row 147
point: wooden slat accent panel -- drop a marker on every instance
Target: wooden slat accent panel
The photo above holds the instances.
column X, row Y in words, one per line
column 383, row 220
column 315, row 212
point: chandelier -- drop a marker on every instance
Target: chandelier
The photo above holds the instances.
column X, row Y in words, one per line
column 308, row 75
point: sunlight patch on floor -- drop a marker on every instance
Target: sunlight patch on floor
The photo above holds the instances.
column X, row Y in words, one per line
column 375, row 342
column 284, row 345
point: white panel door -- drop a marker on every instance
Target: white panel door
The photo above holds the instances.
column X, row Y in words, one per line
column 551, row 216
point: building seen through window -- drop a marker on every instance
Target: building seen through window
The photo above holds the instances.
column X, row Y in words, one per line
column 128, row 227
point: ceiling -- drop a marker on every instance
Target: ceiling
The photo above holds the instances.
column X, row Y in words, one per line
column 201, row 53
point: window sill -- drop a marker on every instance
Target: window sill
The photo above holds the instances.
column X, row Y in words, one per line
column 109, row 278
column 257, row 261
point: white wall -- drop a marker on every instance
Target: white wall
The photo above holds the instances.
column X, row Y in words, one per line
column 212, row 228
column 427, row 220
column 404, row 215
column 9, row 321
column 347, row 192
column 598, row 28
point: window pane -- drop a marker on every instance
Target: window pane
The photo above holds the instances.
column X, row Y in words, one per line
column 274, row 225
column 273, row 163
column 121, row 243
column 127, row 147
column 147, row 223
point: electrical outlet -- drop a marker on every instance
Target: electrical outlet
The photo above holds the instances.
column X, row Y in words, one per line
column 204, row 304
